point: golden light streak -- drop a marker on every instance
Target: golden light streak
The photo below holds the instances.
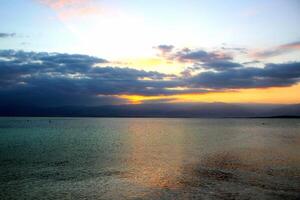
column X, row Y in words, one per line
column 138, row 99
column 161, row 171
column 150, row 64
column 275, row 95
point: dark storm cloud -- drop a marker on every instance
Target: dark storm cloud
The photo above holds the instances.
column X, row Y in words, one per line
column 271, row 75
column 7, row 35
column 53, row 78
column 18, row 64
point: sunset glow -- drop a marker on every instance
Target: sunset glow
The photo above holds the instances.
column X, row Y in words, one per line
column 284, row 95
column 90, row 52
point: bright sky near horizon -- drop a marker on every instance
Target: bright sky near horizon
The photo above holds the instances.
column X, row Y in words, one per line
column 212, row 47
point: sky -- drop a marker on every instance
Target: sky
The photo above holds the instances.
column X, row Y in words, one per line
column 100, row 52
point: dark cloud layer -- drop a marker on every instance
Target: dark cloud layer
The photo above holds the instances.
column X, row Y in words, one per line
column 55, row 79
column 221, row 65
column 249, row 77
column 6, row 35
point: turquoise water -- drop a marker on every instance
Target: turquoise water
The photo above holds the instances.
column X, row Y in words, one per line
column 131, row 158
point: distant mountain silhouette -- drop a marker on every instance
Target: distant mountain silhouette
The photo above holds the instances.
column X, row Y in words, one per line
column 290, row 110
column 205, row 110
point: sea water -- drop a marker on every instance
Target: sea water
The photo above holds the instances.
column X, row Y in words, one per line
column 149, row 158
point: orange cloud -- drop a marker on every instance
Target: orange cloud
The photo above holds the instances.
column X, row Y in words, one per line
column 72, row 8
column 295, row 45
column 60, row 4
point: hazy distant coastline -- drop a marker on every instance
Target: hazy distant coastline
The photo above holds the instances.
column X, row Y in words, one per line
column 204, row 110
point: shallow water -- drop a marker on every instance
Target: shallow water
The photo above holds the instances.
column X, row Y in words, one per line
column 119, row 158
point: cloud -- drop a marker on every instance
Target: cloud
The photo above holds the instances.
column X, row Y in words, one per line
column 235, row 49
column 56, row 79
column 199, row 55
column 221, row 59
column 72, row 8
column 221, row 65
column 272, row 75
column 59, row 4
column 217, row 70
column 164, row 48
column 251, row 62
column 7, row 35
column 280, row 50
column 216, row 60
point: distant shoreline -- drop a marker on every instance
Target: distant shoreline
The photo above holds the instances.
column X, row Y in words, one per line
column 175, row 117
column 205, row 110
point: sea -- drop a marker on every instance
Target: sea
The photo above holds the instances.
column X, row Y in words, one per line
column 149, row 158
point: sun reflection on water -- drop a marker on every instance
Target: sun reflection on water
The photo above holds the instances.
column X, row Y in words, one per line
column 156, row 159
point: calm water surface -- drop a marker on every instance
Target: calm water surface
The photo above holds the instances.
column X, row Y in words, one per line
column 105, row 158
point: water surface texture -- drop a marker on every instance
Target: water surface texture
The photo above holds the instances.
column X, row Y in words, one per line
column 106, row 158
